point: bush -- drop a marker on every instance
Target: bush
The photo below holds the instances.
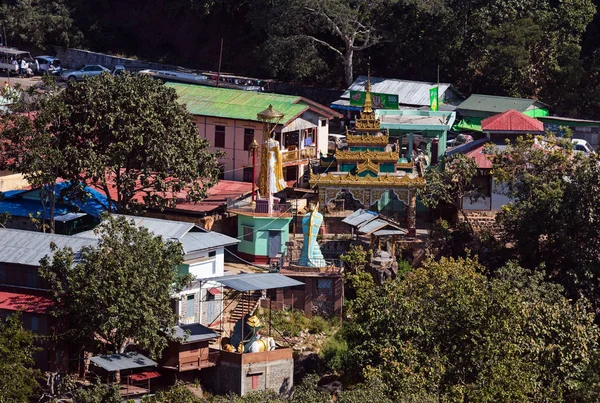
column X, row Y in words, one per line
column 318, row 324
column 334, row 353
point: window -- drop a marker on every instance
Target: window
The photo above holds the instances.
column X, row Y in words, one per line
column 248, row 175
column 220, row 136
column 212, row 253
column 248, row 234
column 34, row 324
column 248, row 137
column 254, row 381
column 190, row 306
column 221, row 172
column 291, row 139
column 323, row 122
column 324, row 286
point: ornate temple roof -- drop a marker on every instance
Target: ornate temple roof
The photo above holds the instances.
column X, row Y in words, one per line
column 382, row 180
column 379, row 156
column 367, row 140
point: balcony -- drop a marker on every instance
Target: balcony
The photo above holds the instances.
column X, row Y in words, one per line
column 301, row 155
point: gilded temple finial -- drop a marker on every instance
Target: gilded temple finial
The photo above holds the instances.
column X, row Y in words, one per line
column 368, row 107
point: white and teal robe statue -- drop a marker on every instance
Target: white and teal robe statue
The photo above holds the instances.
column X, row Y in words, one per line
column 311, row 255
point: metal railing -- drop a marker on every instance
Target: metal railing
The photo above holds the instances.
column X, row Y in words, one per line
column 299, row 155
column 262, row 209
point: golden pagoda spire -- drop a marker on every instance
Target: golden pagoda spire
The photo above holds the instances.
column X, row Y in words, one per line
column 368, row 107
column 367, row 121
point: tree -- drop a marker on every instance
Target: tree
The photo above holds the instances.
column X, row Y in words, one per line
column 551, row 219
column 18, row 379
column 341, row 27
column 447, row 332
column 450, row 183
column 97, row 393
column 119, row 291
column 128, row 136
column 29, row 147
column 38, row 23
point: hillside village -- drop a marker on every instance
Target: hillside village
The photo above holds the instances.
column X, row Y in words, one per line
column 177, row 234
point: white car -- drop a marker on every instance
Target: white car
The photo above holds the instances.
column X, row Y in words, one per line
column 582, row 146
column 49, row 65
column 81, row 72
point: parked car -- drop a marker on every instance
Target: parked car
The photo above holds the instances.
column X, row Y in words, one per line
column 81, row 72
column 118, row 70
column 582, row 146
column 459, row 140
column 49, row 65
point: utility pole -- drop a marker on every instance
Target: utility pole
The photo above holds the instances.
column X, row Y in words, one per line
column 220, row 58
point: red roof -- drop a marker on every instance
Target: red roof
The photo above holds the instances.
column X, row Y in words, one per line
column 512, row 121
column 25, row 302
column 482, row 160
column 217, row 196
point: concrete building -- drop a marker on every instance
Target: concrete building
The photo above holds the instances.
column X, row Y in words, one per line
column 228, row 120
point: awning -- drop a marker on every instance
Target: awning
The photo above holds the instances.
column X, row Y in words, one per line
column 256, row 281
column 119, row 362
column 144, row 376
column 193, row 332
column 214, row 291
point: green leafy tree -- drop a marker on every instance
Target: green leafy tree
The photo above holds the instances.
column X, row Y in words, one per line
column 129, row 137
column 38, row 23
column 552, row 214
column 29, row 147
column 177, row 393
column 97, row 393
column 340, row 27
column 18, row 379
column 446, row 332
column 451, row 184
column 118, row 292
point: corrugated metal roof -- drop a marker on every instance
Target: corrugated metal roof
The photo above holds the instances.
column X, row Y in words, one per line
column 235, row 104
column 359, row 217
column 256, row 281
column 371, row 226
column 390, row 232
column 409, row 92
column 197, row 241
column 168, row 229
column 24, row 302
column 497, row 104
column 512, row 121
column 27, row 247
column 193, row 332
column 119, row 362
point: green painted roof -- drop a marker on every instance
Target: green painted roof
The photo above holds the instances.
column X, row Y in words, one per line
column 496, row 104
column 235, row 104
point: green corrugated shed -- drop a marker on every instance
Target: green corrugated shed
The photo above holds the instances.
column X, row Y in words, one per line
column 235, row 104
column 490, row 105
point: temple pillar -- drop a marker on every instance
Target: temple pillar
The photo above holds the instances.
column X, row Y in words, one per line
column 410, row 147
column 412, row 213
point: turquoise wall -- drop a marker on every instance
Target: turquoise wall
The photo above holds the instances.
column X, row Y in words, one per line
column 262, row 226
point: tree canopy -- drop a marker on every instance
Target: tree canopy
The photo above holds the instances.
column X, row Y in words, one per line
column 449, row 332
column 553, row 214
column 128, row 136
column 119, row 291
column 18, row 379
